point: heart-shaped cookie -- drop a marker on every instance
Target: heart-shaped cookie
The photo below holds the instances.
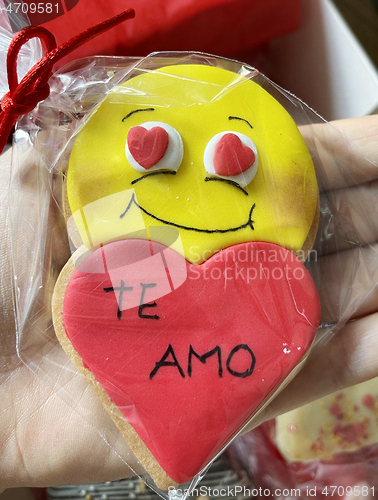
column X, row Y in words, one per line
column 183, row 355
column 147, row 146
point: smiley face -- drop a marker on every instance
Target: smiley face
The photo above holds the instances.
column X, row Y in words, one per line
column 203, row 150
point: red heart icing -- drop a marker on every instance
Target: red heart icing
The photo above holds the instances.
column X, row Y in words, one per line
column 231, row 157
column 251, row 312
column 147, row 146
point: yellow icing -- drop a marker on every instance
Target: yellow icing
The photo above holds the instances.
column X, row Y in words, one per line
column 197, row 101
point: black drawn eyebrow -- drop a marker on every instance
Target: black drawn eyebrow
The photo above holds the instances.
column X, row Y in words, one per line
column 136, row 111
column 238, row 118
column 229, row 181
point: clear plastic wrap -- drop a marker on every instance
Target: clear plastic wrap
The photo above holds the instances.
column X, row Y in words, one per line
column 185, row 303
column 30, row 53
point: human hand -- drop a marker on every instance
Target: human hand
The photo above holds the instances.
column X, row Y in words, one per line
column 48, row 438
column 44, row 438
column 350, row 257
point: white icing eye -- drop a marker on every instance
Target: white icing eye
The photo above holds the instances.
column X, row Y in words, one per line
column 233, row 156
column 154, row 146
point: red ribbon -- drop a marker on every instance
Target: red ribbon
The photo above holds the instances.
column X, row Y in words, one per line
column 23, row 97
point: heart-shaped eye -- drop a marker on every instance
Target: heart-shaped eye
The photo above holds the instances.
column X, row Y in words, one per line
column 147, row 146
column 231, row 155
column 154, row 146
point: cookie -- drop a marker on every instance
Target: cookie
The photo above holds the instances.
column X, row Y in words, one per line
column 341, row 423
column 186, row 368
column 188, row 306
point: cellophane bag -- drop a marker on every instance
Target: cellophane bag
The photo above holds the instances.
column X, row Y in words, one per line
column 31, row 52
column 326, row 448
column 215, row 225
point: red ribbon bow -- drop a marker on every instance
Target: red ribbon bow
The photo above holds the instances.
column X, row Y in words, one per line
column 23, row 97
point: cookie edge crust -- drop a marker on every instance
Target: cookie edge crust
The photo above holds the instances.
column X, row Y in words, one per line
column 140, row 450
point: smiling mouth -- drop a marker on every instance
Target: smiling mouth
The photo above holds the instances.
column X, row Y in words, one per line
column 249, row 222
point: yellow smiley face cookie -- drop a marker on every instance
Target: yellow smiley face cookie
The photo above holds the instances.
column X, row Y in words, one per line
column 199, row 149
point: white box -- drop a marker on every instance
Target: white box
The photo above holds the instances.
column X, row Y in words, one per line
column 324, row 65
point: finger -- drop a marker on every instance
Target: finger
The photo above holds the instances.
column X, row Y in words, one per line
column 348, row 218
column 346, row 282
column 348, row 358
column 344, row 151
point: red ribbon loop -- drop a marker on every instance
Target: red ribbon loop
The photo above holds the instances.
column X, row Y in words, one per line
column 23, row 97
column 22, row 37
